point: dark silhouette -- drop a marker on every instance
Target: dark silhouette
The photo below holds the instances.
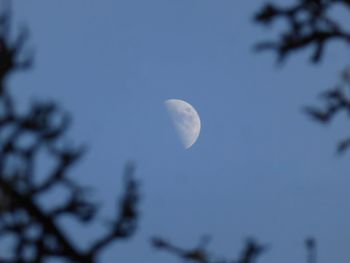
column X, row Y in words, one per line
column 336, row 100
column 249, row 254
column 310, row 244
column 35, row 231
column 310, row 24
column 200, row 254
column 10, row 52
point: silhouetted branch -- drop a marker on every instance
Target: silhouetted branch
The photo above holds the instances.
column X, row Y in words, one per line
column 308, row 25
column 200, row 254
column 310, row 244
column 22, row 138
column 125, row 224
column 10, row 53
column 336, row 100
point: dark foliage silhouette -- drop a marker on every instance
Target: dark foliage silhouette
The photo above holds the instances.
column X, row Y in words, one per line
column 200, row 254
column 249, row 254
column 310, row 244
column 336, row 100
column 310, row 23
column 31, row 231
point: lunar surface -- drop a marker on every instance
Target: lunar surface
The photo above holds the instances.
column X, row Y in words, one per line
column 185, row 119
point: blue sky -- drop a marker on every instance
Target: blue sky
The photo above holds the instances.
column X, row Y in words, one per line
column 260, row 167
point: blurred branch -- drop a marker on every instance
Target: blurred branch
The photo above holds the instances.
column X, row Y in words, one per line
column 125, row 224
column 23, row 137
column 310, row 244
column 336, row 100
column 200, row 254
column 308, row 24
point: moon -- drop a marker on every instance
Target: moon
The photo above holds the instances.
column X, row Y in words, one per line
column 185, row 119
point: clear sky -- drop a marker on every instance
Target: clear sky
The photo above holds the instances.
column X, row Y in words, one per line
column 260, row 167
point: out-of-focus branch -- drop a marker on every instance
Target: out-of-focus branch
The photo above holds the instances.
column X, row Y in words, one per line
column 23, row 137
column 336, row 100
column 125, row 224
column 10, row 53
column 308, row 24
column 311, row 24
column 310, row 244
column 197, row 254
column 25, row 203
column 200, row 254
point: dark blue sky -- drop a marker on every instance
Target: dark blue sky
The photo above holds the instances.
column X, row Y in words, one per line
column 260, row 167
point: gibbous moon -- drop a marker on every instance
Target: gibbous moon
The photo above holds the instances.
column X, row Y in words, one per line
column 185, row 119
